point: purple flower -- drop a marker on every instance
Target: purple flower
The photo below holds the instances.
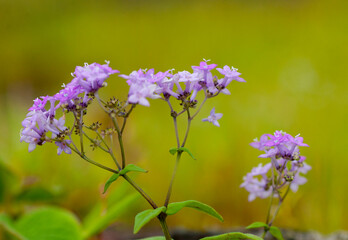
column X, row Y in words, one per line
column 63, row 146
column 284, row 153
column 91, row 77
column 204, row 66
column 213, row 117
column 280, row 144
column 142, row 86
column 158, row 77
column 37, row 126
column 257, row 183
column 260, row 144
column 39, row 104
column 139, row 92
column 297, row 181
column 165, row 87
column 230, row 74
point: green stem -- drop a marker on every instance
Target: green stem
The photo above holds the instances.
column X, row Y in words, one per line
column 100, row 102
column 109, row 150
column 93, row 142
column 169, row 193
column 200, row 107
column 189, row 119
column 176, row 132
column 120, row 141
column 269, row 208
column 281, row 200
column 126, row 117
column 162, row 219
column 148, row 199
column 93, row 162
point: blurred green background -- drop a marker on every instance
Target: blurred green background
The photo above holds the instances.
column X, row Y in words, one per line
column 293, row 55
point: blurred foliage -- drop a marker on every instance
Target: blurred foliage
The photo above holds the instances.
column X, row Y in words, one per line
column 292, row 54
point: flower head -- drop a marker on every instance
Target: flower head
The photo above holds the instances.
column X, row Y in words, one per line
column 257, row 183
column 92, row 76
column 286, row 161
column 204, row 66
column 213, row 117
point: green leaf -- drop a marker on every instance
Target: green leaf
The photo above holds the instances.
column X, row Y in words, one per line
column 188, row 151
column 181, row 149
column 7, row 224
column 132, row 167
column 112, row 179
column 276, row 233
column 233, row 236
column 144, row 217
column 257, row 225
column 173, row 150
column 49, row 223
column 177, row 206
column 103, row 219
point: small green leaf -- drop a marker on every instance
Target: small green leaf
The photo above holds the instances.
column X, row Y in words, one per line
column 233, row 236
column 128, row 168
column 132, row 167
column 144, row 217
column 276, row 233
column 188, row 151
column 112, row 179
column 173, row 150
column 257, row 225
column 181, row 149
column 177, row 206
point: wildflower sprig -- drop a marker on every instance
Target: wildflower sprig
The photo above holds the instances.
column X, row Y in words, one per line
column 277, row 177
column 42, row 124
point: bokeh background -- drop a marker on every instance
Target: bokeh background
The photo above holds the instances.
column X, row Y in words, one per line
column 293, row 55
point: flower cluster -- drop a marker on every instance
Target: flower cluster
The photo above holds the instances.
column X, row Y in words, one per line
column 286, row 165
column 183, row 85
column 41, row 125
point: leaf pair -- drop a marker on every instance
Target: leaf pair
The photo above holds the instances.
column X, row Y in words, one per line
column 272, row 230
column 144, row 217
column 114, row 177
column 180, row 150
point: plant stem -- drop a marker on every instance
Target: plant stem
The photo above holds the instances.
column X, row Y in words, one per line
column 120, row 141
column 176, row 132
column 269, row 209
column 148, row 199
column 189, row 119
column 93, row 162
column 100, row 102
column 93, row 142
column 169, row 193
column 200, row 107
column 162, row 219
column 281, row 200
column 109, row 150
column 126, row 117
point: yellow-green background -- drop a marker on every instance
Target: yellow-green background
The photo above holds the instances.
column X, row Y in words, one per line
column 293, row 55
